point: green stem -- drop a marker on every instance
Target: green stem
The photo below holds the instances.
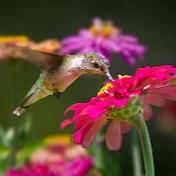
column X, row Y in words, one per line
column 146, row 145
column 136, row 154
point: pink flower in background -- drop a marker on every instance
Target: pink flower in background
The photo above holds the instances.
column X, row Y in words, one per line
column 38, row 170
column 78, row 167
column 58, row 158
column 106, row 39
column 117, row 103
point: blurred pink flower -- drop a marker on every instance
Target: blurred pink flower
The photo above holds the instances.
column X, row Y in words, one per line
column 78, row 167
column 57, row 148
column 58, row 158
column 104, row 38
column 118, row 102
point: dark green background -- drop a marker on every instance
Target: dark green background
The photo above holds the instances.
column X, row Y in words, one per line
column 153, row 22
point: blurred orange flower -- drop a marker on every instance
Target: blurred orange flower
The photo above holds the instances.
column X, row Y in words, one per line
column 49, row 45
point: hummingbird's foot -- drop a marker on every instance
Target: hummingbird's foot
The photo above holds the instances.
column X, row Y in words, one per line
column 57, row 94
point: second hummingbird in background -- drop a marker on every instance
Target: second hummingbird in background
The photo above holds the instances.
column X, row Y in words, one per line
column 58, row 71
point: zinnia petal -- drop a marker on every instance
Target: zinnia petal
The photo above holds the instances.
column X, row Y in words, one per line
column 66, row 122
column 114, row 135
column 79, row 134
column 155, row 100
column 125, row 126
column 73, row 107
column 120, row 103
column 95, row 128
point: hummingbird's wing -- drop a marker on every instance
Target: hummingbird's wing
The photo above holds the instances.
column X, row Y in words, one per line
column 42, row 60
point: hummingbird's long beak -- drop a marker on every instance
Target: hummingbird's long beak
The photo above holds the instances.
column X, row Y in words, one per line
column 107, row 73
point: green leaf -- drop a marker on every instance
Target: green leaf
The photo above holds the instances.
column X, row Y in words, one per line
column 4, row 156
column 8, row 137
column 4, row 153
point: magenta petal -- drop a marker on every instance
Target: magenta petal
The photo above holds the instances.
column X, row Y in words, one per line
column 85, row 34
column 75, row 46
column 95, row 128
column 78, row 137
column 80, row 133
column 105, row 53
column 128, row 57
column 129, row 38
column 120, row 103
column 73, row 107
column 13, row 172
column 145, row 83
column 65, row 123
column 81, row 121
column 94, row 112
column 84, row 111
column 86, row 49
column 114, row 135
column 111, row 46
column 125, row 126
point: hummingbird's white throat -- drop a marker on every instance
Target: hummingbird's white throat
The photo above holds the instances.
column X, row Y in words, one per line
column 76, row 61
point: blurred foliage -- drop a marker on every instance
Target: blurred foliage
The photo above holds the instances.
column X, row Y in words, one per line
column 19, row 140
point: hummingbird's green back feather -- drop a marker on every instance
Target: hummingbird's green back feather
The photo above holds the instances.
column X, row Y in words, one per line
column 38, row 84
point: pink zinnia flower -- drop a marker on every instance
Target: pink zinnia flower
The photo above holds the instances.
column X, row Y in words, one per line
column 104, row 38
column 118, row 102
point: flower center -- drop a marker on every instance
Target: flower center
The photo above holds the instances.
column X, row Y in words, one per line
column 105, row 88
column 110, row 85
column 102, row 30
column 118, row 95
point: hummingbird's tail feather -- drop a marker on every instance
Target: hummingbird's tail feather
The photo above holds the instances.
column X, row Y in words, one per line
column 23, row 107
column 19, row 110
column 32, row 98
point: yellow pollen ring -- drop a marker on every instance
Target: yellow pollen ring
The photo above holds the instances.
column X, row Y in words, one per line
column 103, row 30
column 110, row 85
column 10, row 38
column 105, row 88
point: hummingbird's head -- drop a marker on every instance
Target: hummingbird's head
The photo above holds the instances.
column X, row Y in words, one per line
column 95, row 63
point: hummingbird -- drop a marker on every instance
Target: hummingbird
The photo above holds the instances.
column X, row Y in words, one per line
column 57, row 71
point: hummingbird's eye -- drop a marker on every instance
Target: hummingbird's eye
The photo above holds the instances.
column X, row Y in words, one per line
column 95, row 64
